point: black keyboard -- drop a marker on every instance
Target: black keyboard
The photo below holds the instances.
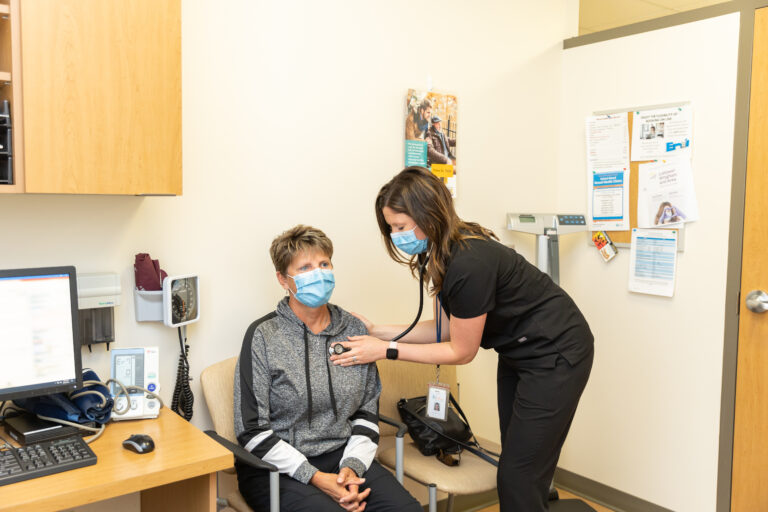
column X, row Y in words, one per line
column 44, row 458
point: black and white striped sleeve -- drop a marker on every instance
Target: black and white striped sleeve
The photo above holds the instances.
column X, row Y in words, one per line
column 251, row 408
column 364, row 441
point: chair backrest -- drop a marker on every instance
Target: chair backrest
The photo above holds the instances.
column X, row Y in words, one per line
column 218, row 383
column 400, row 379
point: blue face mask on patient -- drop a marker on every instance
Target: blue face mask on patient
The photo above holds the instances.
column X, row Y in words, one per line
column 407, row 242
column 314, row 288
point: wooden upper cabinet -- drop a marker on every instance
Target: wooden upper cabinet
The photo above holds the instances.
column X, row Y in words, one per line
column 101, row 96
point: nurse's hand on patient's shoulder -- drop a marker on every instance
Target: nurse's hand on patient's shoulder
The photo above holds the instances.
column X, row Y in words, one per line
column 362, row 350
column 368, row 324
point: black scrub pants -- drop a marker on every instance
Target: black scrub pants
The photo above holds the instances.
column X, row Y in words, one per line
column 387, row 495
column 536, row 407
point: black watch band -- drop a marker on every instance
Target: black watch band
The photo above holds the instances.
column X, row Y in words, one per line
column 392, row 351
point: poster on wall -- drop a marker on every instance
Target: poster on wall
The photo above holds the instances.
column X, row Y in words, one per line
column 430, row 134
column 661, row 133
column 665, row 194
column 608, row 172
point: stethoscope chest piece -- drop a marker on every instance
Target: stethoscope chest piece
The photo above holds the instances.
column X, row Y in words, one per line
column 337, row 349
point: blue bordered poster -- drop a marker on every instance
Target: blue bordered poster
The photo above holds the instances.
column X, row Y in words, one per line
column 608, row 168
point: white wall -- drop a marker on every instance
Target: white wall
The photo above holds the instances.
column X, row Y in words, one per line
column 648, row 423
column 294, row 113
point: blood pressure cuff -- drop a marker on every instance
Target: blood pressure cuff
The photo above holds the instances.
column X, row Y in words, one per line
column 84, row 406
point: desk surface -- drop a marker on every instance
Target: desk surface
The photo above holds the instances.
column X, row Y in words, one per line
column 181, row 452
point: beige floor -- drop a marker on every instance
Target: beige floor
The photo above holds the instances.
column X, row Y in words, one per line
column 563, row 495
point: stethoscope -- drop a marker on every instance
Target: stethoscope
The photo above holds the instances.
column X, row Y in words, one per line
column 423, row 259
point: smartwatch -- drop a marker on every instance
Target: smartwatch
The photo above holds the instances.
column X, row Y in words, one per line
column 392, row 351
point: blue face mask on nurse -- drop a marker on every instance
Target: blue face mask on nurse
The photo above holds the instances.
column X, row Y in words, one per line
column 408, row 241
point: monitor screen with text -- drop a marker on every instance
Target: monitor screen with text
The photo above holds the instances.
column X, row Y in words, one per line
column 38, row 332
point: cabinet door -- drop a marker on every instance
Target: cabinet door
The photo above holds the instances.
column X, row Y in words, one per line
column 102, row 96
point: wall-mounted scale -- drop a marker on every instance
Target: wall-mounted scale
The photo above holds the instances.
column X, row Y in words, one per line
column 547, row 227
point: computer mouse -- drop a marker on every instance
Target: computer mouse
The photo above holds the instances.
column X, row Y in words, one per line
column 139, row 443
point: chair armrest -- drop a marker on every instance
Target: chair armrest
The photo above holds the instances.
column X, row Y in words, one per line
column 401, row 428
column 241, row 454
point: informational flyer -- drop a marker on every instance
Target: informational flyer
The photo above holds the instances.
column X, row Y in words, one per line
column 661, row 133
column 431, row 123
column 665, row 193
column 608, row 172
column 609, row 201
column 653, row 261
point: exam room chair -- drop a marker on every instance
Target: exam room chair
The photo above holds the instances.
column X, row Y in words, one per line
column 473, row 475
column 218, row 383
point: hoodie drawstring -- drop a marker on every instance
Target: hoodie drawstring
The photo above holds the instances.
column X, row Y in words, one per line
column 330, row 385
column 306, row 374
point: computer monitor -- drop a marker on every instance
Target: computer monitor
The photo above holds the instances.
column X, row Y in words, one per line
column 39, row 342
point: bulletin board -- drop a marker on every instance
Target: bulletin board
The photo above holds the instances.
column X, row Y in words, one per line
column 624, row 238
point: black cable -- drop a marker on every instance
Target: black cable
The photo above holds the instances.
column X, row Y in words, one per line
column 183, row 399
column 422, row 267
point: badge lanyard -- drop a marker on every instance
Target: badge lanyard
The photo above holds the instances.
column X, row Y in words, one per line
column 437, row 393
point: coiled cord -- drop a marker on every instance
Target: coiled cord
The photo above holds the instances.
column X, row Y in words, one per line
column 183, row 399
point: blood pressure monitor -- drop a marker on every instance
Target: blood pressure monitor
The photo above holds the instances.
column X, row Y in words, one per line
column 181, row 300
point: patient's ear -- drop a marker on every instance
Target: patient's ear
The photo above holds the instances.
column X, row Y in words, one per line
column 282, row 280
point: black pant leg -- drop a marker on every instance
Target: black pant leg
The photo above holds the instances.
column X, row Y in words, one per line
column 387, row 495
column 544, row 404
column 506, row 387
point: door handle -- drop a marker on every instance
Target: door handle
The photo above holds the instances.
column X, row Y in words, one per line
column 757, row 301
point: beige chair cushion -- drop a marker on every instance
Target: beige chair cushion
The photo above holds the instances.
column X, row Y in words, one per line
column 472, row 475
column 218, row 383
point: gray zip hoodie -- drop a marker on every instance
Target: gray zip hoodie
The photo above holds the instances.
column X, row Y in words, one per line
column 291, row 402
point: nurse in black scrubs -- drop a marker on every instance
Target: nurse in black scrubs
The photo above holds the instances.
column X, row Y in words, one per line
column 494, row 299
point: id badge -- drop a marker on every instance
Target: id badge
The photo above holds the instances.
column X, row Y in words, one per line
column 437, row 401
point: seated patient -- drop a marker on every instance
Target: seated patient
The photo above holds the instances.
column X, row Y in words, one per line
column 317, row 422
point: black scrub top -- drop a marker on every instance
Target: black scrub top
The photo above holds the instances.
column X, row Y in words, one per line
column 530, row 322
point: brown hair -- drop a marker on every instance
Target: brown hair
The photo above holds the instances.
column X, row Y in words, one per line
column 298, row 239
column 422, row 196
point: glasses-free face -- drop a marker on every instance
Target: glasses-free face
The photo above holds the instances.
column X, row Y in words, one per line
column 400, row 222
